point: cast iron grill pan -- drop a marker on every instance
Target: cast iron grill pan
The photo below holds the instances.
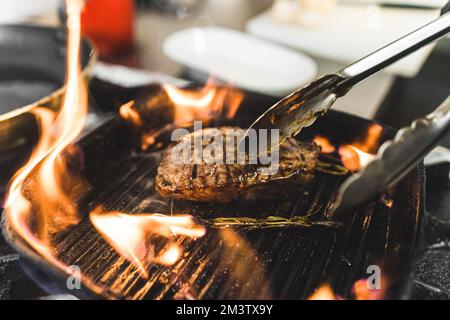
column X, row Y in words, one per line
column 282, row 263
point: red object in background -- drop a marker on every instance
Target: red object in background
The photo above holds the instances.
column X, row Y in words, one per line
column 110, row 25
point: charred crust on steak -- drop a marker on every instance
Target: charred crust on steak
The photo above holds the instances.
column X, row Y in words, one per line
column 212, row 182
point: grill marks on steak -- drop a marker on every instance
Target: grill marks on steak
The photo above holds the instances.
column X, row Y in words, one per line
column 220, row 182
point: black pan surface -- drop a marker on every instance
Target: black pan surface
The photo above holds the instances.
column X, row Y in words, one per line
column 32, row 64
column 32, row 73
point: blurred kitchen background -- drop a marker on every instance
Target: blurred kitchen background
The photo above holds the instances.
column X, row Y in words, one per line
column 333, row 33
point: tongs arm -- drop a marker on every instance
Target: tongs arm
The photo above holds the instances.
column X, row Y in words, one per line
column 396, row 50
column 394, row 160
column 301, row 108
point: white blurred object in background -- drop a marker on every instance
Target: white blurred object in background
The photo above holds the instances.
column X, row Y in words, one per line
column 241, row 59
column 313, row 12
column 349, row 33
column 305, row 12
column 16, row 11
column 284, row 10
column 419, row 3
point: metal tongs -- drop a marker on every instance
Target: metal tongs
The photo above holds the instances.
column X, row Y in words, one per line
column 303, row 107
column 395, row 159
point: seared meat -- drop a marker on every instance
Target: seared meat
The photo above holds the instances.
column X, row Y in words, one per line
column 219, row 182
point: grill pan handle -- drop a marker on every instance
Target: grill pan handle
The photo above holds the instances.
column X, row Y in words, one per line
column 395, row 159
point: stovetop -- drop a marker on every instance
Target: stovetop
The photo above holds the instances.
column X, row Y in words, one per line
column 432, row 279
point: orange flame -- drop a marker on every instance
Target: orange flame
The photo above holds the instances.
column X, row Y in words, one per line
column 325, row 292
column 132, row 235
column 358, row 154
column 361, row 290
column 353, row 158
column 371, row 142
column 129, row 114
column 189, row 105
column 171, row 255
column 48, row 194
column 325, row 144
column 41, row 198
column 204, row 104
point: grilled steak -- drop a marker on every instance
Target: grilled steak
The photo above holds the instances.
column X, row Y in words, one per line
column 206, row 180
